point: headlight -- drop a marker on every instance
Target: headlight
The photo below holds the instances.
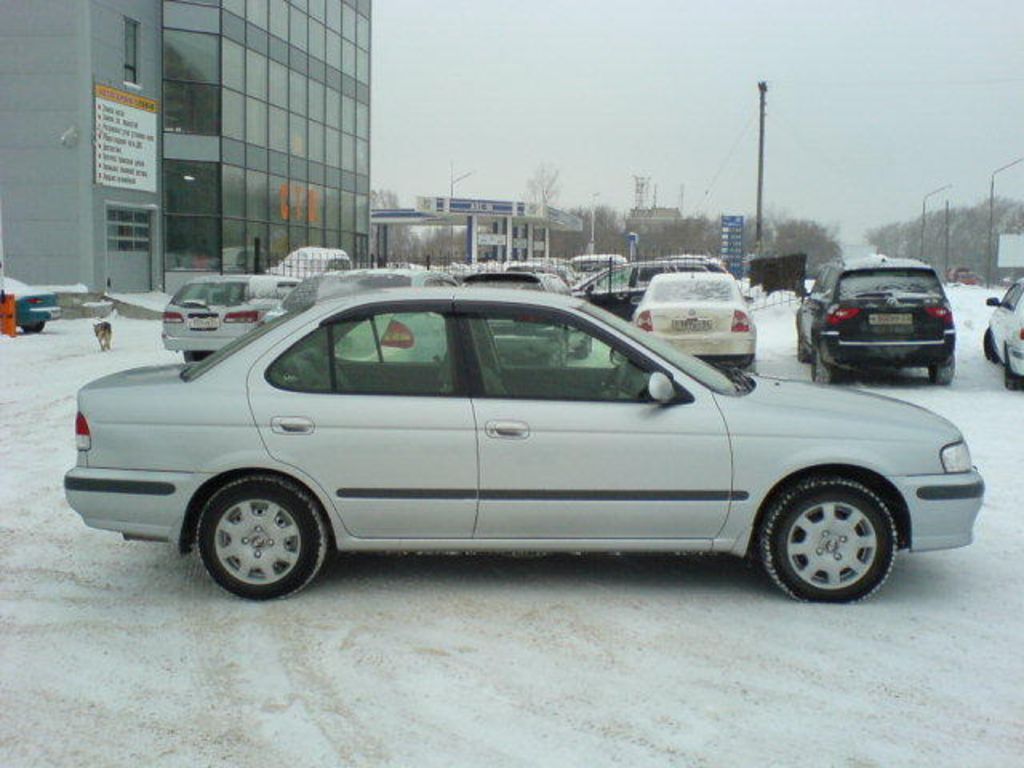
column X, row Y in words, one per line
column 956, row 458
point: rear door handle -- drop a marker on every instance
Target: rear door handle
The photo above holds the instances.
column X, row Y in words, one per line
column 291, row 425
column 508, row 430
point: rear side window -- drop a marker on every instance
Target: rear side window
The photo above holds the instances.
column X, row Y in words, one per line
column 888, row 282
column 228, row 294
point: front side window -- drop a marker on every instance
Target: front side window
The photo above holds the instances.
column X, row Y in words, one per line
column 390, row 353
column 523, row 355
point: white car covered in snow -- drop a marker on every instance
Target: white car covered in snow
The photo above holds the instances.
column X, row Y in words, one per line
column 411, row 420
column 1004, row 338
column 702, row 313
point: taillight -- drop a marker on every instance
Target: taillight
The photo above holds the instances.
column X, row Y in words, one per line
column 841, row 314
column 83, row 438
column 1022, row 334
column 248, row 316
column 945, row 314
column 34, row 300
column 174, row 317
column 740, row 322
column 645, row 322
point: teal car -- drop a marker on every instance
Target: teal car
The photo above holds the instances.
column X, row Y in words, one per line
column 34, row 307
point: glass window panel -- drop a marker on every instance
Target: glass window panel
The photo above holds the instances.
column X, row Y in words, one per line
column 332, row 50
column 316, row 39
column 278, row 93
column 256, row 122
column 348, row 22
column 305, row 366
column 278, row 129
column 362, row 156
column 348, row 213
column 297, row 237
column 237, row 7
column 297, row 135
column 233, row 190
column 332, row 208
column 332, row 107
column 299, row 31
column 362, row 66
column 315, row 237
column 256, row 254
column 191, row 56
column 232, row 248
column 348, row 58
column 362, row 121
column 233, row 119
column 279, row 18
column 256, row 74
column 233, row 63
column 334, row 15
column 362, row 32
column 348, row 114
column 317, row 10
column 297, row 92
column 278, row 200
column 131, row 51
column 316, row 142
column 256, row 12
column 191, row 108
column 362, row 214
column 191, row 242
column 348, row 244
column 316, row 101
column 278, row 245
column 332, row 147
column 332, row 239
column 348, row 152
column 256, row 195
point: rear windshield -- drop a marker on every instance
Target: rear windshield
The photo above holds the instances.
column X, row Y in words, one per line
column 695, row 291
column 887, row 282
column 227, row 294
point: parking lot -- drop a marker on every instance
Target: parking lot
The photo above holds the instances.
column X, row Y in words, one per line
column 118, row 653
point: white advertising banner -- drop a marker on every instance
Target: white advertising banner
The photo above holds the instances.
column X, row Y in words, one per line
column 490, row 238
column 125, row 140
column 1011, row 251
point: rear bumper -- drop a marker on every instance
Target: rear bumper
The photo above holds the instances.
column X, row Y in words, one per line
column 839, row 351
column 714, row 348
column 37, row 315
column 943, row 508
column 147, row 505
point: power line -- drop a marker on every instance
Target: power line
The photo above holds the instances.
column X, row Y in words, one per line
column 721, row 168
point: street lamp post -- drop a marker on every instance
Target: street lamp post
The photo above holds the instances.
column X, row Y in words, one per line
column 990, row 253
column 452, row 181
column 593, row 208
column 924, row 201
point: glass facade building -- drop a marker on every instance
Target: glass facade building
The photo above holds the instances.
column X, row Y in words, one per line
column 266, row 129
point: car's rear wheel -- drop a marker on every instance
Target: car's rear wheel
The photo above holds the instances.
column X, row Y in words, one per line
column 942, row 374
column 1010, row 380
column 828, row 539
column 33, row 327
column 989, row 345
column 821, row 372
column 262, row 537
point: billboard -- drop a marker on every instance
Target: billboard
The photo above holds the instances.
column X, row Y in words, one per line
column 125, row 139
column 1011, row 251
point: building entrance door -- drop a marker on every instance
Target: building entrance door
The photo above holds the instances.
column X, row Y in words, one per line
column 129, row 260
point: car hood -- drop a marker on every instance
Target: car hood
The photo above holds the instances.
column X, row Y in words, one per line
column 778, row 407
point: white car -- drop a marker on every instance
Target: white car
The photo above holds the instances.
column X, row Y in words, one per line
column 703, row 313
column 312, row 260
column 208, row 312
column 1004, row 339
column 397, row 421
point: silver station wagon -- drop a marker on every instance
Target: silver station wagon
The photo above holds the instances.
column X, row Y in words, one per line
column 441, row 419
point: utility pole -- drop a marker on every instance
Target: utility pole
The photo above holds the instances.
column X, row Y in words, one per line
column 947, row 238
column 452, row 181
column 763, row 88
column 593, row 209
column 924, row 201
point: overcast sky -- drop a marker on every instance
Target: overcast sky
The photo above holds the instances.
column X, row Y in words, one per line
column 871, row 104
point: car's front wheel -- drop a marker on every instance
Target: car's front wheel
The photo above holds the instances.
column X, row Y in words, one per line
column 262, row 537
column 989, row 345
column 828, row 539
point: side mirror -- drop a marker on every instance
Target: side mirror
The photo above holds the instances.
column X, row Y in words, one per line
column 993, row 302
column 660, row 388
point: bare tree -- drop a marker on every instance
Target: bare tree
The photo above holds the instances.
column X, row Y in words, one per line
column 544, row 186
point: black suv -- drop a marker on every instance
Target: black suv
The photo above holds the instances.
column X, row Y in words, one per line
column 620, row 289
column 879, row 313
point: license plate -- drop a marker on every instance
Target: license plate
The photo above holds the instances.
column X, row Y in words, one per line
column 204, row 323
column 900, row 319
column 691, row 325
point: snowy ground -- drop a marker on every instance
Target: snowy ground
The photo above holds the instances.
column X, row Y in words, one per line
column 123, row 654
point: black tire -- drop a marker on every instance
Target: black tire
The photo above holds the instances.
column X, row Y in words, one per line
column 33, row 327
column 944, row 374
column 1011, row 381
column 272, row 517
column 819, row 573
column 989, row 346
column 195, row 357
column 821, row 372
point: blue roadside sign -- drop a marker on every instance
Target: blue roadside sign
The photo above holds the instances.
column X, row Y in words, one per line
column 731, row 249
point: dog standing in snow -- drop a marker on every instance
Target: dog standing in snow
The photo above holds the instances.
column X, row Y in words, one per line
column 104, row 333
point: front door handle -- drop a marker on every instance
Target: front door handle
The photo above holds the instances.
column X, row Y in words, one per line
column 509, row 430
column 292, row 425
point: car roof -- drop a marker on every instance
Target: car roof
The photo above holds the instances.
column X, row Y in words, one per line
column 881, row 261
column 453, row 294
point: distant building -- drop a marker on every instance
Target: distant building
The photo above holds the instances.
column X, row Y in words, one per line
column 143, row 142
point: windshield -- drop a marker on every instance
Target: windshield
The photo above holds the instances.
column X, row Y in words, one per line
column 694, row 291
column 195, row 370
column 226, row 294
column 708, row 375
column 888, row 282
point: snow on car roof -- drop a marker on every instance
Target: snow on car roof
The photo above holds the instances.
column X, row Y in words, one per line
column 880, row 260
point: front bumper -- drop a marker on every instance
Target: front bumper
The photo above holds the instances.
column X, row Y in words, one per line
column 942, row 508
column 886, row 354
column 138, row 504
